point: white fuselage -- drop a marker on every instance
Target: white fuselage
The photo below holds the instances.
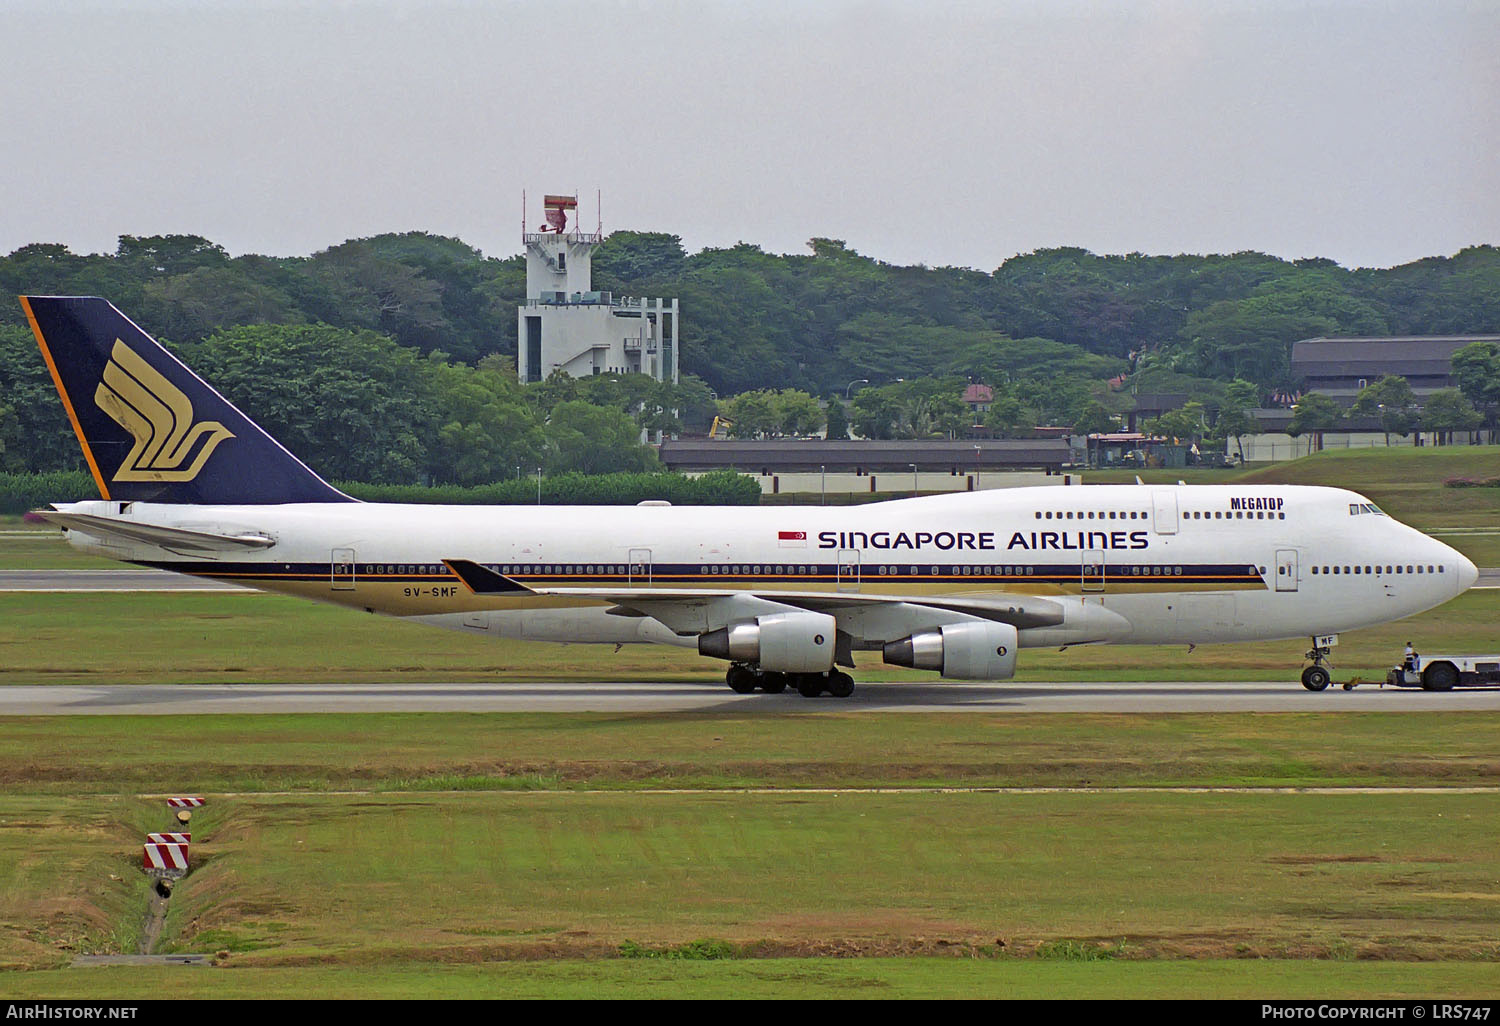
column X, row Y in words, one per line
column 1127, row 563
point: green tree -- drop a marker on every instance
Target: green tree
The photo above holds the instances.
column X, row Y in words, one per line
column 1188, row 422
column 375, row 291
column 1477, row 368
column 485, row 427
column 1009, row 417
column 190, row 306
column 1094, row 419
column 1448, row 410
column 594, row 440
column 170, row 254
column 38, row 436
column 923, row 408
column 1391, row 401
column 1241, row 393
column 353, row 405
column 1232, row 422
column 837, row 419
column 1314, row 414
column 753, row 414
column 797, row 413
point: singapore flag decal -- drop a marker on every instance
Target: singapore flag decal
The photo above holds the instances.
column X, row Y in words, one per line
column 792, row 539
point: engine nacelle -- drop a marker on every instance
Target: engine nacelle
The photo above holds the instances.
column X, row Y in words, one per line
column 799, row 642
column 966, row 651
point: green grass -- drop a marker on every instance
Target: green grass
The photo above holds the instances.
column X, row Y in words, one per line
column 400, row 890
column 43, row 547
column 399, row 881
column 250, row 637
column 468, row 752
column 871, row 978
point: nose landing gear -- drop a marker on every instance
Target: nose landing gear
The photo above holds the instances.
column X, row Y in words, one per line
column 1316, row 677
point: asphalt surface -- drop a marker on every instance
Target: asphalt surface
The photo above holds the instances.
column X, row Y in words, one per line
column 165, row 580
column 182, row 699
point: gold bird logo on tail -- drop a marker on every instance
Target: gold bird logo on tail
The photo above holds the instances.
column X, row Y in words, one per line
column 158, row 416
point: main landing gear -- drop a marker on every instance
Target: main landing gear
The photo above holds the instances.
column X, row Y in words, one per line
column 744, row 679
column 1316, row 677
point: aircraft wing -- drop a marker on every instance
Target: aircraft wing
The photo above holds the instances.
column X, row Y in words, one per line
column 173, row 538
column 1021, row 611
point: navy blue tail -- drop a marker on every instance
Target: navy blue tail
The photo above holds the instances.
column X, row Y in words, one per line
column 152, row 430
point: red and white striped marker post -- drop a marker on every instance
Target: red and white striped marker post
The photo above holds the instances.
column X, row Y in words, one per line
column 184, row 803
column 170, row 838
column 168, row 860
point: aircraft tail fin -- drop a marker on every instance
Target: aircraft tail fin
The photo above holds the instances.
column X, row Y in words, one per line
column 151, row 429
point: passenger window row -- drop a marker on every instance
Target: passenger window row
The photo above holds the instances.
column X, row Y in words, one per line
column 1238, row 514
column 1089, row 515
column 1410, row 569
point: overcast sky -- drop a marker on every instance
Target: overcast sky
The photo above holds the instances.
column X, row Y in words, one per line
column 959, row 133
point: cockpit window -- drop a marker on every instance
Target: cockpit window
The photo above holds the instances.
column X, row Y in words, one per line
column 1358, row 508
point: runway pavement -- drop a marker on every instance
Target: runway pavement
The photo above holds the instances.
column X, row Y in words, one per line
column 174, row 699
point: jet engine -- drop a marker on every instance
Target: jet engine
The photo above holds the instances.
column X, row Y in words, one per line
column 799, row 642
column 967, row 651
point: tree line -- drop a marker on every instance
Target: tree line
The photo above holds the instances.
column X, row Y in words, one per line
column 398, row 350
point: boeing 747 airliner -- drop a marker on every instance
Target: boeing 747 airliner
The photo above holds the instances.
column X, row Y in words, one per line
column 957, row 584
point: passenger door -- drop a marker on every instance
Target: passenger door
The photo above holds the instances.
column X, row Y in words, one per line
column 640, row 568
column 341, row 569
column 1286, row 569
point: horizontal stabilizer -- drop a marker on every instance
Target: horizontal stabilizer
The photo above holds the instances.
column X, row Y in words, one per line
column 174, row 538
column 482, row 580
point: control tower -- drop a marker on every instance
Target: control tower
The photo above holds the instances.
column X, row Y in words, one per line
column 567, row 326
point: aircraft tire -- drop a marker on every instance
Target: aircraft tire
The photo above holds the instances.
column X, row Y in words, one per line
column 740, row 679
column 773, row 683
column 809, row 685
column 1439, row 677
column 1315, row 678
column 840, row 685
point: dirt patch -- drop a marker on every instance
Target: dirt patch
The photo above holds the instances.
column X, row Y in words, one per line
column 1314, row 860
column 156, row 918
column 1201, row 946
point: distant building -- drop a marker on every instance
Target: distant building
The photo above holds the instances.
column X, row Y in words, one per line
column 793, row 465
column 1150, row 405
column 565, row 325
column 979, row 399
column 866, row 456
column 1340, row 367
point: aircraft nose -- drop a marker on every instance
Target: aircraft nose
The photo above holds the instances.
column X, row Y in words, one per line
column 1468, row 573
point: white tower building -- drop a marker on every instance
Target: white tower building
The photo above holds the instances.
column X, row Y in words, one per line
column 567, row 326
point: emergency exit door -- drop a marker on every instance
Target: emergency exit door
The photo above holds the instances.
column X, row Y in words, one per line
column 341, row 569
column 640, row 568
column 1286, row 569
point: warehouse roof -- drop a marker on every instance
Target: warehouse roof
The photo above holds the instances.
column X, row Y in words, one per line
column 782, row 455
column 1374, row 357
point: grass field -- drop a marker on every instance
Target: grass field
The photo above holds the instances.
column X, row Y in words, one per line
column 867, row 978
column 936, row 893
column 744, row 747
